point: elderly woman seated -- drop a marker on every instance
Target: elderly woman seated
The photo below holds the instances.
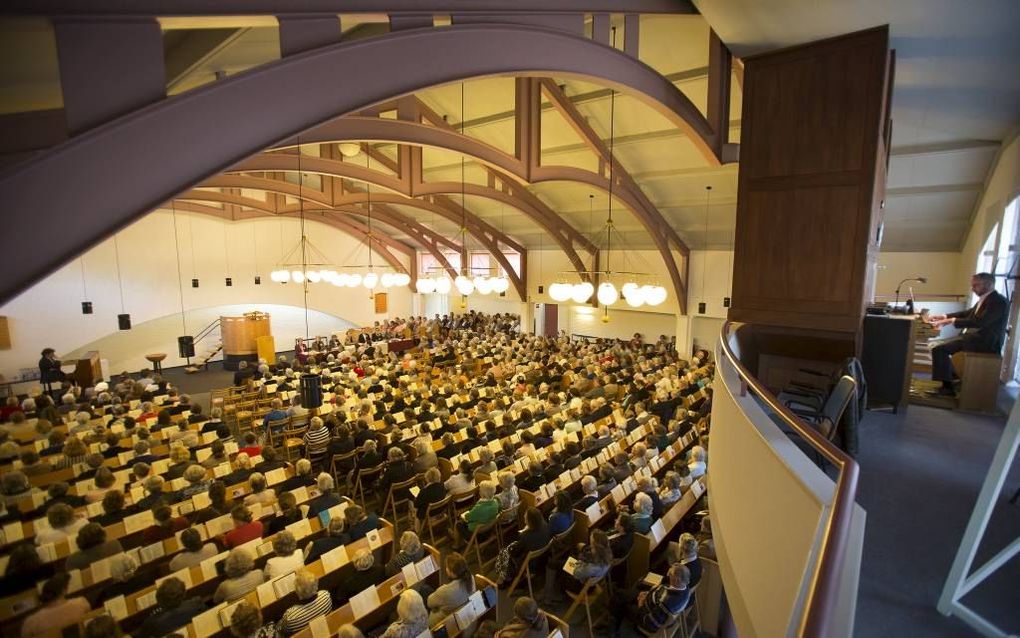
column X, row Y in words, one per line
column 367, row 573
column 245, row 527
column 242, row 577
column 92, row 547
column 63, row 524
column 312, row 603
column 508, row 496
column 412, row 617
column 196, row 483
column 483, row 512
column 15, row 486
column 246, row 622
column 411, row 551
column 642, row 516
column 261, row 494
column 286, row 558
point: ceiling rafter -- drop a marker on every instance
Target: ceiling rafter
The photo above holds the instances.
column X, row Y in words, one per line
column 487, row 235
column 348, row 225
column 324, row 201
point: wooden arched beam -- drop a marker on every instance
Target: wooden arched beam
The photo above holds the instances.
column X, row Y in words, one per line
column 348, row 225
column 316, row 199
column 174, row 143
column 515, row 171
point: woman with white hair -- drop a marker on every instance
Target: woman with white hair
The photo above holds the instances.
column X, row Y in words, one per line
column 697, row 462
column 367, row 573
column 242, row 577
column 642, row 516
column 425, row 459
column 412, row 617
column 125, row 578
column 411, row 551
column 261, row 493
column 286, row 558
column 312, row 603
column 509, row 497
column 484, row 511
column 328, row 497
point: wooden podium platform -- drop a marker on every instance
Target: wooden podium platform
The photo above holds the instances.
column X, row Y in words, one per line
column 240, row 337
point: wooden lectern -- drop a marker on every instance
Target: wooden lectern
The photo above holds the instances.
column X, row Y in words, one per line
column 87, row 371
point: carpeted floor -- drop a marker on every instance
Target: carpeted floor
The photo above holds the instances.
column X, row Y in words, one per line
column 921, row 471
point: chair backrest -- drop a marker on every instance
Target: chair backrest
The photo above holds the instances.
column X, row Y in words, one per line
column 836, row 403
column 557, row 624
column 438, row 505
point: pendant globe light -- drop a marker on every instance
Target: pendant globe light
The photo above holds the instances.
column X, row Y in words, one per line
column 634, row 290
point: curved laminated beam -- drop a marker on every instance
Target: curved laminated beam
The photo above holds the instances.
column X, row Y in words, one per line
column 202, row 132
column 348, row 225
column 387, row 214
column 486, row 234
column 407, row 132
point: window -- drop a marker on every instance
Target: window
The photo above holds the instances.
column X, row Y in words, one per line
column 1006, row 256
column 986, row 258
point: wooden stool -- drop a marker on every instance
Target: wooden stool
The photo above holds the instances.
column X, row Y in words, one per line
column 979, row 380
column 156, row 359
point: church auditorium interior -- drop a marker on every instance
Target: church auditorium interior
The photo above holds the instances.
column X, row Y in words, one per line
column 530, row 319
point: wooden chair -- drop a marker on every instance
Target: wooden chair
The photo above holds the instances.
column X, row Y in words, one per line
column 364, row 478
column 293, row 438
column 687, row 629
column 393, row 503
column 507, row 522
column 439, row 513
column 482, row 537
column 557, row 624
column 462, row 501
column 524, row 571
column 275, row 425
column 589, row 593
column 339, row 464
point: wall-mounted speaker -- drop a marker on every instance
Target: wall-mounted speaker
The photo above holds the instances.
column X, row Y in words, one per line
column 124, row 321
column 258, row 280
column 194, row 283
column 86, row 307
column 230, row 282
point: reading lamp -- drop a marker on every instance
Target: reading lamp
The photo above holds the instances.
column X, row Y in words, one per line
column 923, row 280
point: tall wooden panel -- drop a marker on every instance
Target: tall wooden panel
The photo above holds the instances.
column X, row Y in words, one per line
column 812, row 177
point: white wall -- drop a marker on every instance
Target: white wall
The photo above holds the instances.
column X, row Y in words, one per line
column 126, row 350
column 49, row 313
column 1002, row 186
column 941, row 269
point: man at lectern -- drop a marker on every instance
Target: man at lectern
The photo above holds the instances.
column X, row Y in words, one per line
column 49, row 367
column 984, row 330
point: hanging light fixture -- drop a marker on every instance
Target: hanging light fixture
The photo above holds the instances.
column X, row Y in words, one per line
column 123, row 319
column 634, row 291
column 368, row 276
column 86, row 306
column 702, row 306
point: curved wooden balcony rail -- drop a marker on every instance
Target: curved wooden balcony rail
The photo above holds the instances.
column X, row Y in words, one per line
column 823, row 591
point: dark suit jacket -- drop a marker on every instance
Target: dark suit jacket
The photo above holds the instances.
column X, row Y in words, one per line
column 984, row 327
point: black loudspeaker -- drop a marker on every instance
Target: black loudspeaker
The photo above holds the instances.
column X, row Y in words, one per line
column 229, row 282
column 194, row 283
column 258, row 280
column 541, row 289
column 86, row 307
column 124, row 321
column 701, row 308
column 311, row 391
column 186, row 346
column 726, row 302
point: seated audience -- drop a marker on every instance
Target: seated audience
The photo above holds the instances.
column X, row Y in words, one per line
column 194, row 550
column 92, row 546
column 241, row 576
column 286, row 558
column 56, row 610
column 312, row 603
column 172, row 610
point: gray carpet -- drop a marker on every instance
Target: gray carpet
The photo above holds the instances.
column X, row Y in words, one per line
column 920, row 476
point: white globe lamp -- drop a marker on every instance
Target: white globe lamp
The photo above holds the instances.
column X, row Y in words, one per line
column 607, row 294
column 443, row 285
column 582, row 292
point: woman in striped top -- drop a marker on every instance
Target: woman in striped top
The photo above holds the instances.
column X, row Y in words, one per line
column 316, row 439
column 312, row 603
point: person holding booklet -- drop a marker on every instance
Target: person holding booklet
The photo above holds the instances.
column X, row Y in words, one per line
column 312, row 603
column 592, row 561
column 458, row 588
column 412, row 617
